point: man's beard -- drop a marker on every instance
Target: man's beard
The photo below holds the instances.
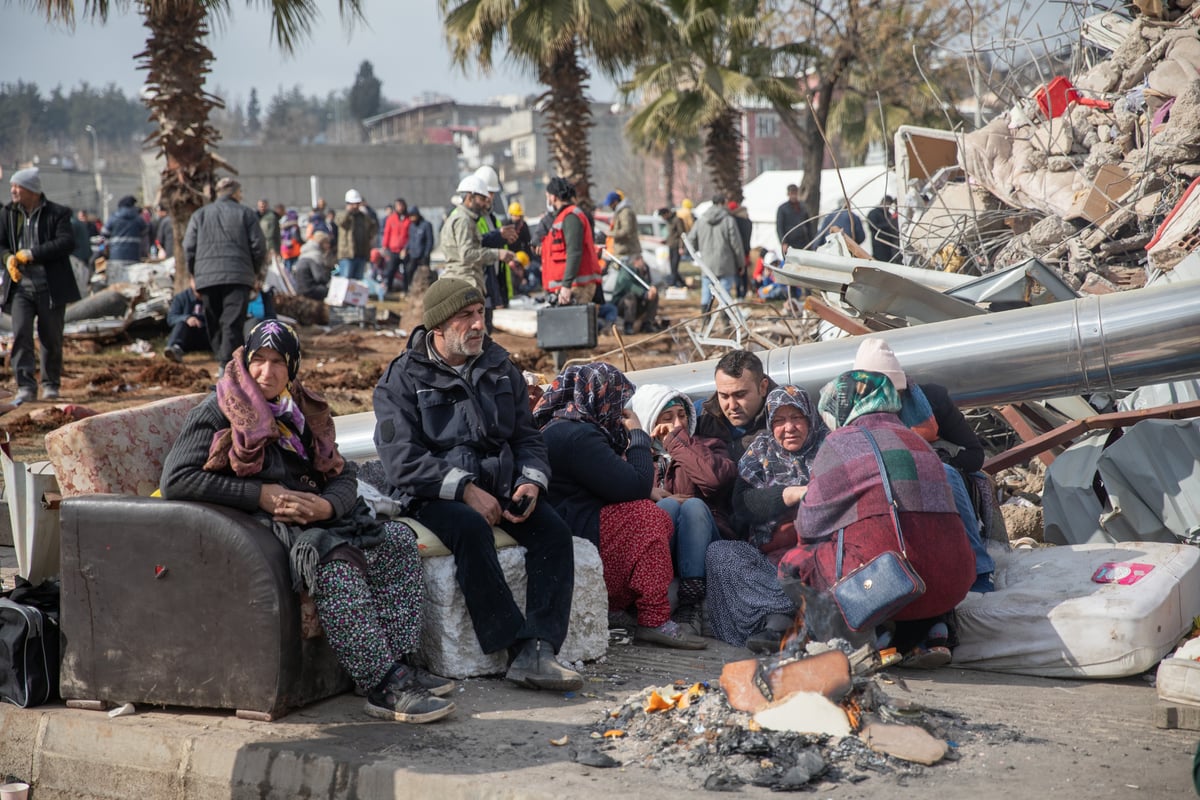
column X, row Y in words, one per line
column 463, row 345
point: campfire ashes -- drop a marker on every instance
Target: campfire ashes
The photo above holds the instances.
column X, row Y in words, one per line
column 815, row 713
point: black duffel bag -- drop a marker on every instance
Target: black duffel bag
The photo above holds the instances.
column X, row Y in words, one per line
column 29, row 643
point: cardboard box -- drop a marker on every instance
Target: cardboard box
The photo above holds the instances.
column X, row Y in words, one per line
column 346, row 292
column 1098, row 200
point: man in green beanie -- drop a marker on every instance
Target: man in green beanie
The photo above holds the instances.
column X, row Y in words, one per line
column 456, row 438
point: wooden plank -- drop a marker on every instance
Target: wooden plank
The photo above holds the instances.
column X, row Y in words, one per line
column 834, row 317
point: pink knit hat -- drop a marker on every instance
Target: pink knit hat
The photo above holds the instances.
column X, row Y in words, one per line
column 875, row 355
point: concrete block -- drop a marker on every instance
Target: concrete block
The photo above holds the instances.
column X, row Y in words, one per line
column 448, row 644
column 906, row 742
column 77, row 753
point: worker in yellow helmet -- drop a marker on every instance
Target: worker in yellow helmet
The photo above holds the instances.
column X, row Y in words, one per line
column 522, row 246
column 685, row 214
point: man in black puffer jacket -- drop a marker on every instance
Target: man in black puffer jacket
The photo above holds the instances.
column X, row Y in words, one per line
column 456, row 438
column 227, row 253
column 36, row 241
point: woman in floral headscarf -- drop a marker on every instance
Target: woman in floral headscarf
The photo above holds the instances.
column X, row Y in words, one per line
column 264, row 444
column 846, row 492
column 602, row 476
column 746, row 604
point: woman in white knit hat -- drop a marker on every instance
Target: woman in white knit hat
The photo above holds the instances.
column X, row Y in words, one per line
column 929, row 410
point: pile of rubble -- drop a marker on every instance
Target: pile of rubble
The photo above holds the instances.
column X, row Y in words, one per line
column 1091, row 174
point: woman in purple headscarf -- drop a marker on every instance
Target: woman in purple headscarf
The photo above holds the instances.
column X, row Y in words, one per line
column 746, row 604
column 264, row 444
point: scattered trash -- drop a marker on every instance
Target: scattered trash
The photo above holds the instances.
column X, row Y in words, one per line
column 123, row 710
column 140, row 347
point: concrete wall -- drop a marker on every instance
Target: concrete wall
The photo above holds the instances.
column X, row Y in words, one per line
column 423, row 174
column 78, row 189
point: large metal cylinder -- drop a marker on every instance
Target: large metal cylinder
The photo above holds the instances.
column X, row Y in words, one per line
column 1096, row 344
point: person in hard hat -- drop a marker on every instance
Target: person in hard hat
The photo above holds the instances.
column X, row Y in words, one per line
column 522, row 246
column 357, row 231
column 685, row 214
column 493, row 234
column 462, row 242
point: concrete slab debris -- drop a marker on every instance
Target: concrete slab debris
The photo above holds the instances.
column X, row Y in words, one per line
column 906, row 742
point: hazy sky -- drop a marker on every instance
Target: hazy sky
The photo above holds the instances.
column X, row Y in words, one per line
column 402, row 39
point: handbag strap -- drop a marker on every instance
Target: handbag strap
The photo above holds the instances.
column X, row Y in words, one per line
column 887, row 489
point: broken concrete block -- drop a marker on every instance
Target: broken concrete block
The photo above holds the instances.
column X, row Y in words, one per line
column 448, row 643
column 906, row 742
column 805, row 712
column 827, row 674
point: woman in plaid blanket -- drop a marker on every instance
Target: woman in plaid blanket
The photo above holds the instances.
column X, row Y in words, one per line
column 846, row 492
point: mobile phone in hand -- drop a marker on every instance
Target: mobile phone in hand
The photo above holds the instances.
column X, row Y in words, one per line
column 517, row 506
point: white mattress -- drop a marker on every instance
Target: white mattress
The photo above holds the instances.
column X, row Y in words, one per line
column 1049, row 617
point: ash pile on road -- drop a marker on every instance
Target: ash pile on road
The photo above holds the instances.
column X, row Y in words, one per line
column 823, row 723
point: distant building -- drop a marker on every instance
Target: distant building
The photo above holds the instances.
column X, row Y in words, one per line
column 443, row 122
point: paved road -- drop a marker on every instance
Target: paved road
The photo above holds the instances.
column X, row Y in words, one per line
column 1027, row 737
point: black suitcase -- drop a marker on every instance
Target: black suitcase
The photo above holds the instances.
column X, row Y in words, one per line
column 566, row 327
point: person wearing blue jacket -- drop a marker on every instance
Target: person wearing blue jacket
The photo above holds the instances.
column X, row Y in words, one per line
column 127, row 234
column 420, row 244
column 186, row 318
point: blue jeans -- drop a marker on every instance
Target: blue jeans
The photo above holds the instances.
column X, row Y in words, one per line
column 352, row 268
column 706, row 290
column 962, row 501
column 694, row 531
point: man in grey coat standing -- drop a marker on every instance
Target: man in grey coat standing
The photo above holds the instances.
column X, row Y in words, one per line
column 227, row 253
column 715, row 235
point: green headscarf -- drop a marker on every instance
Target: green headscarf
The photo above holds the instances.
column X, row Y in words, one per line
column 855, row 393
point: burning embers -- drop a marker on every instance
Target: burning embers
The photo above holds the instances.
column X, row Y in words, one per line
column 812, row 712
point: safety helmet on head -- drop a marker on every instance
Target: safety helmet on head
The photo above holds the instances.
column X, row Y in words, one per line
column 686, row 203
column 515, row 210
column 352, row 196
column 490, row 178
column 472, row 184
column 523, row 258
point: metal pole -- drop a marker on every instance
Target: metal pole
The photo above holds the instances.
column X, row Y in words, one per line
column 610, row 257
column 1095, row 344
column 96, row 170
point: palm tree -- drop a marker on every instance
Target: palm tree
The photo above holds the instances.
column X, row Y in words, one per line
column 710, row 57
column 551, row 39
column 176, row 60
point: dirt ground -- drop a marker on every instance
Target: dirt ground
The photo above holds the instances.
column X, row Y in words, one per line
column 343, row 362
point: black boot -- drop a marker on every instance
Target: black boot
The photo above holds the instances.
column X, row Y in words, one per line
column 769, row 636
column 690, row 611
column 534, row 667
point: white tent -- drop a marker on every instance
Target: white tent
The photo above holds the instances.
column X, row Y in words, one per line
column 865, row 186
